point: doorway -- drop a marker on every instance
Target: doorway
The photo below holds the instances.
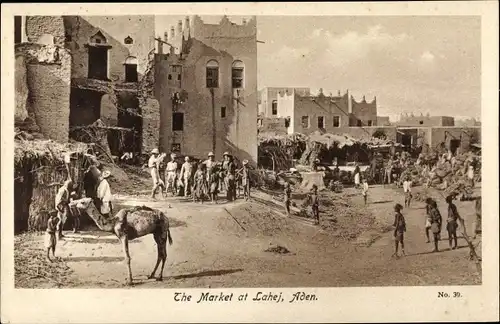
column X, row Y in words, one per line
column 406, row 140
column 454, row 145
column 98, row 63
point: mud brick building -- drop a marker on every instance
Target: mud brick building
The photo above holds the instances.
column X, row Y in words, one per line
column 427, row 120
column 268, row 99
column 206, row 84
column 73, row 70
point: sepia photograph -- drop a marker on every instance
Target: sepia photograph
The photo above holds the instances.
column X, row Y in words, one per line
column 221, row 151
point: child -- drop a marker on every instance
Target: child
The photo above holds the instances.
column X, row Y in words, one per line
column 365, row 190
column 452, row 224
column 288, row 195
column 75, row 212
column 200, row 183
column 436, row 221
column 214, row 183
column 428, row 220
column 245, row 181
column 50, row 234
column 399, row 229
column 314, row 200
column 407, row 191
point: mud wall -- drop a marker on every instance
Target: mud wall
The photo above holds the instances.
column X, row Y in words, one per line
column 47, row 75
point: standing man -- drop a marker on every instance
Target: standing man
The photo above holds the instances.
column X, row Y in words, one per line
column 62, row 205
column 155, row 175
column 407, row 190
column 171, row 174
column 104, row 194
column 186, row 172
column 230, row 178
column 225, row 164
column 210, row 163
column 245, row 180
column 436, row 222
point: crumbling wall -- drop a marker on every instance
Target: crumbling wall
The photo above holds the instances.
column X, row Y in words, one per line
column 149, row 108
column 37, row 26
column 21, row 87
column 48, row 74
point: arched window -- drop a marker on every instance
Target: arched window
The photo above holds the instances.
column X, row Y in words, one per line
column 212, row 74
column 131, row 69
column 237, row 74
column 128, row 40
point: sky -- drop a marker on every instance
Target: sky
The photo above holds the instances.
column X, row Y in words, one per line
column 411, row 64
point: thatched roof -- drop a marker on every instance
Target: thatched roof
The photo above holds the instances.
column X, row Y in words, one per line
column 45, row 150
column 329, row 140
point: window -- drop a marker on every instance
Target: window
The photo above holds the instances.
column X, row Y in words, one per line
column 358, row 123
column 170, row 76
column 131, row 69
column 274, row 107
column 18, row 26
column 421, row 122
column 177, row 122
column 321, row 122
column 98, row 63
column 212, row 74
column 305, row 121
column 237, row 74
column 179, row 77
column 287, row 122
column 128, row 40
column 370, row 123
column 222, row 112
column 336, row 121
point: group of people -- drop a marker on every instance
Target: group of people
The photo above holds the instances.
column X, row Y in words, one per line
column 96, row 186
column 198, row 180
column 433, row 224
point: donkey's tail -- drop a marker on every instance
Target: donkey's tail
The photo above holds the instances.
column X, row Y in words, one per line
column 169, row 237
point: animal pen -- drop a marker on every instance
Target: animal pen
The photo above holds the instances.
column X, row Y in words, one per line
column 40, row 168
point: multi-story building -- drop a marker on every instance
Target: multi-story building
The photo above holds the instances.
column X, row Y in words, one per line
column 427, row 120
column 307, row 114
column 206, row 84
column 94, row 71
column 268, row 99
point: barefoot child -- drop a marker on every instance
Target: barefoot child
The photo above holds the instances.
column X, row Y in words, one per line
column 50, row 233
column 314, row 200
column 452, row 223
column 407, row 191
column 399, row 229
column 288, row 195
column 365, row 190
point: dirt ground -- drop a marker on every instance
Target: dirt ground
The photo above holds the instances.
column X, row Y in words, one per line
column 224, row 246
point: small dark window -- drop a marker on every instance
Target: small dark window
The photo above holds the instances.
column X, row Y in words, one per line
column 98, row 40
column 336, row 121
column 421, row 122
column 177, row 121
column 179, row 77
column 305, row 121
column 18, row 26
column 131, row 73
column 128, row 40
column 222, row 112
column 370, row 123
column 359, row 123
column 321, row 122
column 170, row 76
column 287, row 122
column 237, row 74
column 274, row 107
column 212, row 74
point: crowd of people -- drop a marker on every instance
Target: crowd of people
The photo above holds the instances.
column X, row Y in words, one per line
column 202, row 180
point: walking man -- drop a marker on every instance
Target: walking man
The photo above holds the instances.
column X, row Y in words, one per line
column 399, row 229
column 171, row 173
column 452, row 224
column 436, row 222
column 186, row 172
column 155, row 174
column 407, row 191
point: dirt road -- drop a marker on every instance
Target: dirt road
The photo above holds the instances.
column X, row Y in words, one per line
column 224, row 246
